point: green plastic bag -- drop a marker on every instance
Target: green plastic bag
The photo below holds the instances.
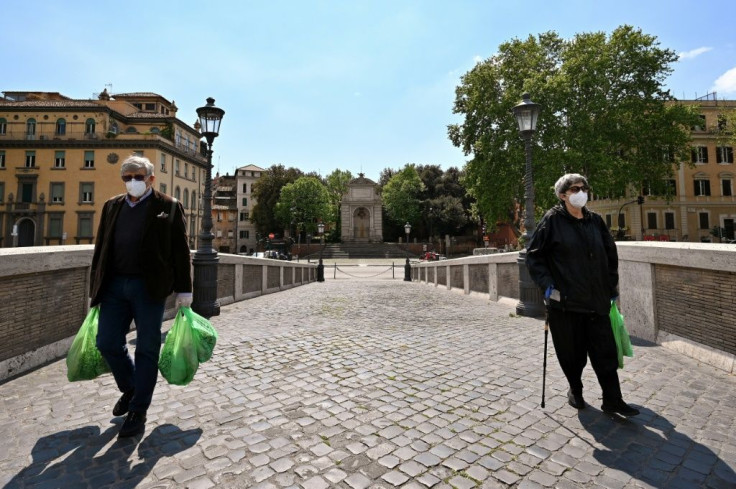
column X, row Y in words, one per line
column 205, row 336
column 178, row 361
column 623, row 342
column 84, row 361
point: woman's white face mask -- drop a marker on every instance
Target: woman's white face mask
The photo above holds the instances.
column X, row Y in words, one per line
column 579, row 199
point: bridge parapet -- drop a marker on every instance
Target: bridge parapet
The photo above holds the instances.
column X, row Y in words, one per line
column 679, row 295
column 44, row 297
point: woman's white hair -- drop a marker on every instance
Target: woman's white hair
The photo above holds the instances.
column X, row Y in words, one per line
column 135, row 163
column 568, row 180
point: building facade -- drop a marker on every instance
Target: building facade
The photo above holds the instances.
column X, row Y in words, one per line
column 701, row 206
column 361, row 212
column 246, row 177
column 224, row 214
column 60, row 161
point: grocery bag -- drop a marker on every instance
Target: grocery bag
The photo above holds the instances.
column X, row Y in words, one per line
column 623, row 342
column 84, row 361
column 178, row 361
column 205, row 336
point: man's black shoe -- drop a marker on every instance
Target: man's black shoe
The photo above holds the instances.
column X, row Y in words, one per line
column 575, row 400
column 121, row 407
column 619, row 407
column 134, row 424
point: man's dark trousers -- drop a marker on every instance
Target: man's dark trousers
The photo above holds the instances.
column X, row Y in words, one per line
column 123, row 300
column 579, row 335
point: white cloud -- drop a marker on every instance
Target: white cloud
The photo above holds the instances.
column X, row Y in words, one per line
column 694, row 53
column 726, row 83
column 477, row 59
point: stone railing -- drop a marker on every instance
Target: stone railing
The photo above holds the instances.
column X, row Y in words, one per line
column 678, row 295
column 44, row 297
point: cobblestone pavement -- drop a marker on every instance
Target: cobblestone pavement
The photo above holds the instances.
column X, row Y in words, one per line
column 376, row 383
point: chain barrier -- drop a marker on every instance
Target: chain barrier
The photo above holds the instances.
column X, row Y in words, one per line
column 390, row 268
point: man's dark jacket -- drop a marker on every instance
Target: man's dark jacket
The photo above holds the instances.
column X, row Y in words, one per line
column 164, row 249
column 576, row 256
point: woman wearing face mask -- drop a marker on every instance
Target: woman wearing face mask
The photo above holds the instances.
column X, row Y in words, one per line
column 141, row 256
column 573, row 258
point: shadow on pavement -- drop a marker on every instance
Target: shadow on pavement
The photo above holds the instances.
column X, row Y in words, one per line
column 72, row 458
column 650, row 449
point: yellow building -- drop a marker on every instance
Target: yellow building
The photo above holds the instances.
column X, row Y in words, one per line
column 703, row 195
column 60, row 161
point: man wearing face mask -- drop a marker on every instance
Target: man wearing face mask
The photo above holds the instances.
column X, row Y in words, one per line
column 141, row 256
column 573, row 258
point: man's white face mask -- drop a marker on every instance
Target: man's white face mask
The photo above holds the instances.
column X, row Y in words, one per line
column 579, row 199
column 136, row 188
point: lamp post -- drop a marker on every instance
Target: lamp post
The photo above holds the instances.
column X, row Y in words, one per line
column 530, row 296
column 407, row 267
column 205, row 259
column 320, row 266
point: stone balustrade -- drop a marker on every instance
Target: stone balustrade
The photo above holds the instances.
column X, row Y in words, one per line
column 679, row 295
column 44, row 297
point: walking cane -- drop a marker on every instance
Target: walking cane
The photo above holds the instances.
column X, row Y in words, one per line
column 544, row 367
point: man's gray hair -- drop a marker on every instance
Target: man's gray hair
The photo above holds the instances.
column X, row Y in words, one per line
column 135, row 163
column 568, row 180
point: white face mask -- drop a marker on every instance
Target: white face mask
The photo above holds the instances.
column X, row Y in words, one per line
column 136, row 188
column 579, row 199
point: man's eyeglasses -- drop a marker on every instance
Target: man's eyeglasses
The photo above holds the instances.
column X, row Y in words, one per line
column 137, row 178
column 578, row 188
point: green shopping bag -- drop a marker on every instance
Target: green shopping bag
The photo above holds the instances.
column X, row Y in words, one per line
column 178, row 361
column 623, row 342
column 84, row 361
column 205, row 336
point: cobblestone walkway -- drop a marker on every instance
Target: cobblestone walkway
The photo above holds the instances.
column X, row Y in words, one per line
column 379, row 383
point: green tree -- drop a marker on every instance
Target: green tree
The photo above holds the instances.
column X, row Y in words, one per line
column 303, row 203
column 337, row 186
column 402, row 196
column 604, row 113
column 267, row 192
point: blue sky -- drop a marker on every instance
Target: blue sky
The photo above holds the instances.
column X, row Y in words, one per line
column 320, row 85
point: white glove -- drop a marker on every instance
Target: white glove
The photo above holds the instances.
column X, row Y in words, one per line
column 183, row 299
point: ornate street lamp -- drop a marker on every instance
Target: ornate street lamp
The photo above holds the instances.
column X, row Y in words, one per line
column 320, row 266
column 530, row 296
column 407, row 267
column 205, row 259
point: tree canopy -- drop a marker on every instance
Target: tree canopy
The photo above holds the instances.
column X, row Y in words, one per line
column 402, row 197
column 303, row 204
column 267, row 192
column 604, row 114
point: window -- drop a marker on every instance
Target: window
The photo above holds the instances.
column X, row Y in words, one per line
column 185, row 200
column 727, row 187
column 219, row 232
column 243, row 234
column 89, row 159
column 245, row 201
column 3, row 126
column 60, row 159
column 722, row 122
column 155, row 130
column 138, row 153
column 703, row 220
column 186, row 170
column 2, row 191
column 114, row 128
column 89, row 126
column 151, row 107
column 177, row 193
column 651, row 220
column 30, row 159
column 57, row 192
column 702, row 187
column 700, row 154
column 229, row 233
column 60, row 127
column 162, row 188
column 609, row 221
column 701, row 125
column 163, row 163
column 131, row 130
column 244, row 216
column 669, row 220
column 245, row 188
column 56, row 225
column 86, row 192
column 672, row 187
column 31, row 127
column 84, row 225
column 2, row 159
column 194, row 200
column 176, row 167
column 724, row 154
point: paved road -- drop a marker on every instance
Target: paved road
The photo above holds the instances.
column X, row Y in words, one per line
column 375, row 383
